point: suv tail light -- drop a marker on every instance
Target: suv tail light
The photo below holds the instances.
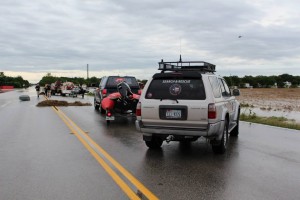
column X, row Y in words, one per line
column 138, row 111
column 108, row 114
column 212, row 111
column 104, row 92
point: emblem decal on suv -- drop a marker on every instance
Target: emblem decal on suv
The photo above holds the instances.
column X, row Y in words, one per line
column 149, row 95
column 175, row 89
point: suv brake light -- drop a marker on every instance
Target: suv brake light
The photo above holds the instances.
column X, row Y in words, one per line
column 104, row 92
column 138, row 111
column 212, row 111
column 108, row 114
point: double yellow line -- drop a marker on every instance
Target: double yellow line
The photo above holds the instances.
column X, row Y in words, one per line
column 96, row 151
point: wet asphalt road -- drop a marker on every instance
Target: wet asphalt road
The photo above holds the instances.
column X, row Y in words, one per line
column 41, row 159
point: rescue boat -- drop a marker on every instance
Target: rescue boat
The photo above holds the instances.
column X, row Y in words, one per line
column 119, row 103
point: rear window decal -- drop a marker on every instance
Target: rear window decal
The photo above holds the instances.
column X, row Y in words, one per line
column 175, row 89
column 176, row 81
column 149, row 95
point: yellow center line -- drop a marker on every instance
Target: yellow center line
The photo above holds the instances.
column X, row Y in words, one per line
column 88, row 143
column 113, row 174
column 127, row 174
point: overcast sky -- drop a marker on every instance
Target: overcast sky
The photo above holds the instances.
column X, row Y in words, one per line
column 130, row 37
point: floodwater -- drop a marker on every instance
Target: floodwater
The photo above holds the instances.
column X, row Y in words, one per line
column 268, row 102
column 291, row 115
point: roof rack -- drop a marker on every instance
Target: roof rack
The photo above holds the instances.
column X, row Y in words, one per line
column 186, row 66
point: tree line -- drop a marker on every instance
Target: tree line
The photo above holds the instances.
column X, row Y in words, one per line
column 17, row 82
column 90, row 82
column 255, row 81
column 263, row 81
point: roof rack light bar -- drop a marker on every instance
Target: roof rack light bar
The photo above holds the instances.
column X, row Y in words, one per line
column 186, row 65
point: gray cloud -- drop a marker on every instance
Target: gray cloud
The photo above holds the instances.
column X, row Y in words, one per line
column 44, row 35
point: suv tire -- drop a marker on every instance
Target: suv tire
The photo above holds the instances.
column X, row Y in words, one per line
column 235, row 131
column 154, row 143
column 220, row 147
column 95, row 105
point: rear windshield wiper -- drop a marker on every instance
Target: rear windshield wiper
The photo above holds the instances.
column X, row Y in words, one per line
column 170, row 99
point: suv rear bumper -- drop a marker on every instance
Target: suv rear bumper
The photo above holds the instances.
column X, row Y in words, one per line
column 212, row 130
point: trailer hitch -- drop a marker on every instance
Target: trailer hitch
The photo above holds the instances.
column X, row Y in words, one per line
column 170, row 138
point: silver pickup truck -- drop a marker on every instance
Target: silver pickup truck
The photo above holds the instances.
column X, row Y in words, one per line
column 185, row 101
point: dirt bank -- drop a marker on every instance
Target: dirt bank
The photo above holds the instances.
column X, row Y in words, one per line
column 61, row 103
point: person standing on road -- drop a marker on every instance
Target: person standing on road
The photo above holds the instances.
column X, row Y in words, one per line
column 81, row 91
column 45, row 89
column 48, row 90
column 37, row 88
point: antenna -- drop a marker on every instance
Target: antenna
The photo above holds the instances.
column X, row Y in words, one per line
column 180, row 45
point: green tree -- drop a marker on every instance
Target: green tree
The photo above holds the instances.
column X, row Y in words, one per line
column 17, row 82
column 249, row 79
column 2, row 78
column 48, row 79
column 295, row 81
column 286, row 77
column 232, row 80
column 265, row 81
column 93, row 81
column 279, row 81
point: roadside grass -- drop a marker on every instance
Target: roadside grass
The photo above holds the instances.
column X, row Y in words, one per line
column 272, row 121
column 246, row 105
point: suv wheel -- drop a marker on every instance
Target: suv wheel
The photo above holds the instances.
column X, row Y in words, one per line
column 235, row 131
column 221, row 146
column 154, row 143
column 95, row 105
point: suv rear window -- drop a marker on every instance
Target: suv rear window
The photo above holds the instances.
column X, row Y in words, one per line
column 185, row 88
column 113, row 81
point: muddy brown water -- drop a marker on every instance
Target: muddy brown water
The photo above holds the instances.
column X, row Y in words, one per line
column 278, row 102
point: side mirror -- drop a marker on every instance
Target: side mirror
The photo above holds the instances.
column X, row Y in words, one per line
column 236, row 92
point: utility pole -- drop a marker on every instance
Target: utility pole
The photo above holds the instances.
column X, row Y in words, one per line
column 87, row 71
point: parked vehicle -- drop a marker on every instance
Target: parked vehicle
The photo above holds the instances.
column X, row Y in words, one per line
column 117, row 96
column 66, row 88
column 77, row 91
column 63, row 89
column 56, row 88
column 185, row 101
column 109, row 85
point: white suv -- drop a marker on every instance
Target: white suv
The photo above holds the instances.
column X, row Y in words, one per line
column 185, row 101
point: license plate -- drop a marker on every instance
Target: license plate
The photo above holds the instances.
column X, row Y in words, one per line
column 173, row 114
column 110, row 118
